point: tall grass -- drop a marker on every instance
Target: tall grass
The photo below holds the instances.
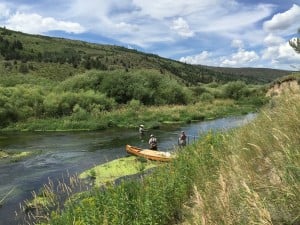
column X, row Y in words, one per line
column 258, row 178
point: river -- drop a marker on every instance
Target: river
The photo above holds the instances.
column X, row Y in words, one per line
column 58, row 153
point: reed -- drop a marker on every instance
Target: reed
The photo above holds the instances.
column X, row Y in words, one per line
column 258, row 176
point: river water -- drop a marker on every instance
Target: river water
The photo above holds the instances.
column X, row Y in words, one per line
column 58, row 153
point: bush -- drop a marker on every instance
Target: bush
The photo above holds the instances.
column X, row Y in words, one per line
column 20, row 103
column 207, row 97
column 149, row 87
column 62, row 104
column 234, row 89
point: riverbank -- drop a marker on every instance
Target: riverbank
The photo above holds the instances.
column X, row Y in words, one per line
column 132, row 116
column 248, row 176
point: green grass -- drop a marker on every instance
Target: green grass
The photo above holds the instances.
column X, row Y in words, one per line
column 257, row 180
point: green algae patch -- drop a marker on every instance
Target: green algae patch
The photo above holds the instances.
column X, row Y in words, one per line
column 15, row 157
column 115, row 169
column 3, row 154
column 20, row 156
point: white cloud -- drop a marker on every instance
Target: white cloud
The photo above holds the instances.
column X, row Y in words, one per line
column 273, row 40
column 182, row 27
column 162, row 9
column 204, row 58
column 127, row 27
column 4, row 11
column 286, row 21
column 226, row 21
column 281, row 54
column 35, row 24
column 241, row 58
column 237, row 43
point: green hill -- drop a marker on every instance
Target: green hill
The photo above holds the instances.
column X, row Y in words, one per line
column 58, row 59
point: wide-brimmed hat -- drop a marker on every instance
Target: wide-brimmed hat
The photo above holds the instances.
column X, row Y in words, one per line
column 141, row 125
column 151, row 135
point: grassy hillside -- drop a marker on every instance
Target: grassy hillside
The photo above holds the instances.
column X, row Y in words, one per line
column 58, row 59
column 256, row 75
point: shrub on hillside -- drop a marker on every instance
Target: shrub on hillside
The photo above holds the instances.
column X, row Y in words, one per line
column 20, row 102
column 62, row 104
column 207, row 97
column 234, row 90
column 148, row 87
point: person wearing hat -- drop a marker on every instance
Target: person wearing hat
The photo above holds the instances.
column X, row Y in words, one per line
column 153, row 142
column 182, row 139
column 142, row 130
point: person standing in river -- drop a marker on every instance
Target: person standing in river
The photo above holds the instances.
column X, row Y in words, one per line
column 182, row 139
column 153, row 142
column 142, row 130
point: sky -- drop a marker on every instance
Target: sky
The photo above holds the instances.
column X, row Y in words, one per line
column 226, row 33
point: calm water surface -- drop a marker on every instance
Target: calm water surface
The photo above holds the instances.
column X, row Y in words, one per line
column 59, row 153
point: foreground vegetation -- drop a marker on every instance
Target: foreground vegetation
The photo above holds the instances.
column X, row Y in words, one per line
column 249, row 175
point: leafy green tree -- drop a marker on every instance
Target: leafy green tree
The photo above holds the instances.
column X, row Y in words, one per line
column 295, row 43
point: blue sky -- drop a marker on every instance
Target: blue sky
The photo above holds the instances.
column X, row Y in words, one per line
column 230, row 33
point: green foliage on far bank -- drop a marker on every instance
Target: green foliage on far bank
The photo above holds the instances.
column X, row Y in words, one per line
column 102, row 99
column 249, row 175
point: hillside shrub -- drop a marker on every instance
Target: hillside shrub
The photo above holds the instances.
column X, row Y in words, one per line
column 20, row 102
column 148, row 87
column 62, row 104
column 234, row 89
column 90, row 80
column 206, row 97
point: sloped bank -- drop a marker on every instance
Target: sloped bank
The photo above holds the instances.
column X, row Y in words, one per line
column 257, row 178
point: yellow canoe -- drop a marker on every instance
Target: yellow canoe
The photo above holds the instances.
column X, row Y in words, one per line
column 149, row 154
